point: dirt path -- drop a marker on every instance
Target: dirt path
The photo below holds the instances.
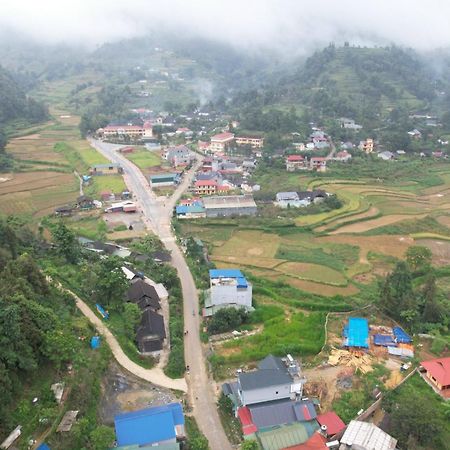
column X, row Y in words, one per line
column 155, row 375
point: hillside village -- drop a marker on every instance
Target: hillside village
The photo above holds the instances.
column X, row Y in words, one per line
column 266, row 269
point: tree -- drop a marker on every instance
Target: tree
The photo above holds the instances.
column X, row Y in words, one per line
column 199, row 443
column 249, row 445
column 102, row 438
column 131, row 315
column 227, row 319
column 397, row 297
column 66, row 242
column 432, row 311
column 110, row 282
column 59, row 346
column 3, row 141
column 419, row 258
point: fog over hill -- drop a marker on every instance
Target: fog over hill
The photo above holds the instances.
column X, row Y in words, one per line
column 294, row 27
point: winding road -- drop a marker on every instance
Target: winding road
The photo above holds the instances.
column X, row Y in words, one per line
column 158, row 213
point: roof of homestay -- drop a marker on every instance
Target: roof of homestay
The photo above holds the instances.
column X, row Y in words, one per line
column 148, row 426
column 222, row 137
column 140, row 289
column 332, row 421
column 152, row 323
column 271, row 372
column 439, row 369
column 293, row 158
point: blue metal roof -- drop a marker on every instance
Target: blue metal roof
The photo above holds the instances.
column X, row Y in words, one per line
column 185, row 209
column 225, row 273
column 148, row 426
column 401, row 336
column 357, row 333
column 384, row 340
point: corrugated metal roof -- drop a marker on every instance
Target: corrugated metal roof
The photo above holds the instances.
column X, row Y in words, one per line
column 284, row 436
column 357, row 333
column 225, row 273
column 332, row 421
column 401, row 336
column 367, row 436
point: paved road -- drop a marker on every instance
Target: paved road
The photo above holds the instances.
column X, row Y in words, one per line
column 155, row 375
column 158, row 213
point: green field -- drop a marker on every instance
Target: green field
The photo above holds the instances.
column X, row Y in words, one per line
column 143, row 158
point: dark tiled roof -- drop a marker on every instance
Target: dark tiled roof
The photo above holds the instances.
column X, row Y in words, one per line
column 143, row 294
column 152, row 324
column 271, row 371
column 161, row 256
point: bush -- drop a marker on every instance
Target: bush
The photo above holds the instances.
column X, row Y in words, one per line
column 227, row 319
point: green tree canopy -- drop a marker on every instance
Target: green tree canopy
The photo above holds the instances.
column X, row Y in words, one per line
column 419, row 258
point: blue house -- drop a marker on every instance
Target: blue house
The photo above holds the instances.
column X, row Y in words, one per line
column 156, row 425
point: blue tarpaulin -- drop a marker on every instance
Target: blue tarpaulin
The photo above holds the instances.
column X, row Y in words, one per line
column 384, row 340
column 357, row 333
column 102, row 312
column 43, row 447
column 95, row 342
column 400, row 336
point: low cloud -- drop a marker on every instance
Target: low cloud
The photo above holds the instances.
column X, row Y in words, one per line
column 289, row 26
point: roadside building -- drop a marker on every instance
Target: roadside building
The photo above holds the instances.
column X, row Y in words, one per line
column 220, row 142
column 178, row 156
column 106, row 169
column 437, row 373
column 230, row 205
column 164, row 179
column 151, row 333
column 205, row 187
column 295, row 162
column 155, row 426
column 366, row 436
column 228, row 288
column 196, row 211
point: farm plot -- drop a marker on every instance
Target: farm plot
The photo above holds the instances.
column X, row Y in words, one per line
column 312, row 272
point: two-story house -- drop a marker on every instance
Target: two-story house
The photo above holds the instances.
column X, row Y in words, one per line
column 228, row 288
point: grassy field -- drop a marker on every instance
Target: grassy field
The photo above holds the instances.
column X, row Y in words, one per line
column 143, row 158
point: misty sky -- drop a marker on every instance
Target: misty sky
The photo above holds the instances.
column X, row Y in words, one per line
column 293, row 25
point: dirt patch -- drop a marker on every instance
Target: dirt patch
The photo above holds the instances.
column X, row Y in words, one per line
column 317, row 288
column 367, row 225
column 122, row 392
column 440, row 250
column 444, row 220
column 255, row 251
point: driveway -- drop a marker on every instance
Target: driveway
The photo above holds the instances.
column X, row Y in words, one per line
column 158, row 213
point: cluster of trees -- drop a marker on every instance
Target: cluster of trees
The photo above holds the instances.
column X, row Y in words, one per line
column 409, row 293
column 227, row 319
column 32, row 333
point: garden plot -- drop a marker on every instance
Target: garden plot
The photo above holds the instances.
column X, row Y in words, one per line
column 312, row 272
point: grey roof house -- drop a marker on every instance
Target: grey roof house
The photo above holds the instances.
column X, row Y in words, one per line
column 144, row 295
column 275, row 379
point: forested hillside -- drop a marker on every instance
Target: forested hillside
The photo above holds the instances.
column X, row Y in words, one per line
column 366, row 84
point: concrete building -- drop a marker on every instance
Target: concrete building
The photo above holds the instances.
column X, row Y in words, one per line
column 252, row 141
column 220, row 142
column 318, row 163
column 228, row 288
column 366, row 146
column 106, row 169
column 437, row 374
column 179, row 156
column 230, row 205
column 164, row 179
column 296, row 162
column 129, row 130
column 287, row 200
column 275, row 379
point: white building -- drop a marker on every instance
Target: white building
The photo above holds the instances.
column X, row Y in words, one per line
column 228, row 288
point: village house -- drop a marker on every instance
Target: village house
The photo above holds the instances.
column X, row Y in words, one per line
column 310, row 146
column 106, row 169
column 366, row 436
column 287, row 200
column 252, row 141
column 299, row 146
column 366, row 146
column 295, row 162
column 230, row 205
column 343, row 156
column 437, row 374
column 228, row 288
column 151, row 333
column 221, row 142
column 196, row 211
column 206, row 187
column 415, row 134
column 203, row 146
column 178, row 156
column 144, row 295
column 318, row 163
column 349, row 124
column 386, row 155
column 157, row 426
column 184, row 131
column 347, row 145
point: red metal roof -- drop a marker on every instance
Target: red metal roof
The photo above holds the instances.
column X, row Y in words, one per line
column 223, row 137
column 439, row 369
column 291, row 158
column 200, row 183
column 333, row 422
column 248, row 427
column 315, row 442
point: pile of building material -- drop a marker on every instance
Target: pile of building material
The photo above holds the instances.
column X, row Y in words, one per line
column 358, row 360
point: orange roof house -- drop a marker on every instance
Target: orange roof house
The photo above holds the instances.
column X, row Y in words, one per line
column 437, row 374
